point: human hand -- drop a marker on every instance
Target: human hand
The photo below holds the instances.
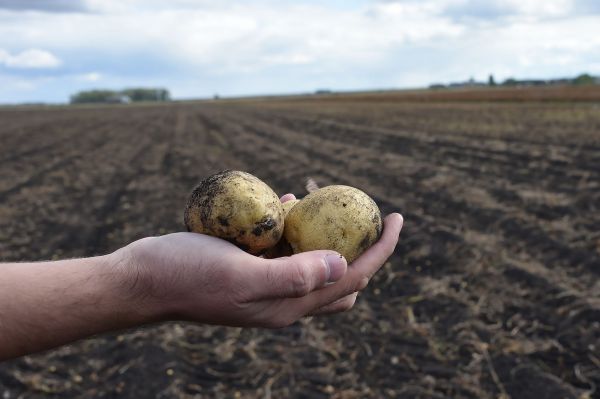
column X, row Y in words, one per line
column 183, row 276
column 190, row 276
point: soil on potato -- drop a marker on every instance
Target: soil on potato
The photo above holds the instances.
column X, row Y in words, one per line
column 493, row 290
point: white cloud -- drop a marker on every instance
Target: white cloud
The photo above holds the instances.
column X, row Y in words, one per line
column 90, row 77
column 268, row 45
column 495, row 9
column 32, row 58
column 43, row 5
column 547, row 8
column 239, row 37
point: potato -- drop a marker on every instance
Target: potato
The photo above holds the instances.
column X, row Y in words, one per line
column 283, row 247
column 340, row 218
column 288, row 205
column 237, row 207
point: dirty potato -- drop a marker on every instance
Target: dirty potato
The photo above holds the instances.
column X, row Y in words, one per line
column 237, row 207
column 283, row 247
column 339, row 218
column 288, row 205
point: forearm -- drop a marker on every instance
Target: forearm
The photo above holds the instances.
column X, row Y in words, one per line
column 47, row 304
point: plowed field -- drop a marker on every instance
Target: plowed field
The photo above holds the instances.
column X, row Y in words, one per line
column 494, row 288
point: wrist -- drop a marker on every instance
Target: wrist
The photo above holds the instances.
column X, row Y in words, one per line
column 132, row 287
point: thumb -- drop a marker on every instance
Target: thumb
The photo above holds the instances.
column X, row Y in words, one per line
column 298, row 275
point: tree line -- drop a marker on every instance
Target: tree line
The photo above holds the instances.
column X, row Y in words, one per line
column 583, row 79
column 121, row 96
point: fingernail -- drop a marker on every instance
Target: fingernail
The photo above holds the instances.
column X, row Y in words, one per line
column 336, row 265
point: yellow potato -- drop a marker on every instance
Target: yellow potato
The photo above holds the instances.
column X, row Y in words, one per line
column 340, row 218
column 238, row 207
column 288, row 205
column 283, row 247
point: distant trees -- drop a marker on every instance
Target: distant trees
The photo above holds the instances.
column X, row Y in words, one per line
column 140, row 94
column 437, row 86
column 120, row 97
column 584, row 79
column 93, row 96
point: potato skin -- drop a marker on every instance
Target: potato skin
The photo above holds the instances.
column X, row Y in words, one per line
column 288, row 205
column 340, row 218
column 238, row 207
column 283, row 247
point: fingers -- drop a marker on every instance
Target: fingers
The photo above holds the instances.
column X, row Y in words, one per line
column 360, row 271
column 341, row 305
column 372, row 260
column 295, row 276
column 287, row 197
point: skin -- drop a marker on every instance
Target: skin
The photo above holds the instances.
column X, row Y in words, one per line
column 180, row 276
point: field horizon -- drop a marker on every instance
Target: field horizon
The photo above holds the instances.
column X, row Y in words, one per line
column 548, row 93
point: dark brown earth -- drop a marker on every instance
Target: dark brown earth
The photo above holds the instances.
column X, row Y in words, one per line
column 493, row 291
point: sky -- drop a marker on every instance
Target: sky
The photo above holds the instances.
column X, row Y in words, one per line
column 50, row 49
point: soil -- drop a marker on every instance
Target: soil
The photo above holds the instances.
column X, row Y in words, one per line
column 493, row 291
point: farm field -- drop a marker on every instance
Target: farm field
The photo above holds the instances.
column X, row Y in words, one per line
column 494, row 289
